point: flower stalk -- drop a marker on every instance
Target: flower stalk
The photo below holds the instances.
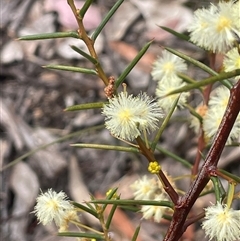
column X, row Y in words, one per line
column 166, row 184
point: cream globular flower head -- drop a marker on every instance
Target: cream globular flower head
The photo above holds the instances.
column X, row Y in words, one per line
column 127, row 116
column 236, row 13
column 167, row 66
column 155, row 212
column 212, row 121
column 216, row 28
column 150, row 188
column 222, row 223
column 219, row 97
column 144, row 188
column 53, row 206
column 231, row 60
column 217, row 105
column 165, row 87
column 199, row 27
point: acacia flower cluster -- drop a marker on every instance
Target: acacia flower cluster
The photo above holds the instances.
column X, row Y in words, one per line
column 144, row 188
column 168, row 66
column 127, row 116
column 156, row 212
column 165, row 70
column 222, row 223
column 147, row 188
column 217, row 106
column 216, row 28
column 231, row 60
column 53, row 206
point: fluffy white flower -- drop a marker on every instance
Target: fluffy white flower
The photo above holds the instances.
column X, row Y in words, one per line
column 215, row 29
column 145, row 188
column 219, row 97
column 199, row 27
column 168, row 65
column 52, row 206
column 127, row 116
column 231, row 60
column 156, row 212
column 222, row 223
column 217, row 106
column 149, row 112
column 212, row 121
column 165, row 87
column 236, row 13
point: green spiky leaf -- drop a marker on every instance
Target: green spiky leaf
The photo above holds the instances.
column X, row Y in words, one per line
column 50, row 36
column 71, row 68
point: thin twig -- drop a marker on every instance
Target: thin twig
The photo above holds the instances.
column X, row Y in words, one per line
column 88, row 41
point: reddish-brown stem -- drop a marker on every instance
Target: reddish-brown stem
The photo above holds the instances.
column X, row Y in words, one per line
column 168, row 187
column 213, row 64
column 182, row 209
column 88, row 41
column 194, row 219
column 144, row 150
column 201, row 142
column 208, row 88
column 166, row 184
column 206, row 93
column 200, row 147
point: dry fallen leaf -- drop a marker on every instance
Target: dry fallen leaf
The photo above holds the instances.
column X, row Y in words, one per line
column 128, row 52
column 121, row 21
column 49, row 161
column 78, row 189
column 25, row 186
